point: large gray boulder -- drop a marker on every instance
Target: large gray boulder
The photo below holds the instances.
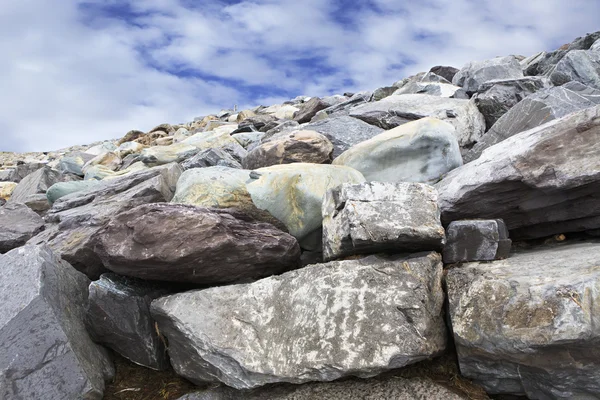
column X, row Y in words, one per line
column 495, row 98
column 540, row 182
column 344, row 107
column 118, row 316
column 444, row 71
column 32, row 189
column 309, row 109
column 185, row 243
column 18, row 224
column 45, row 351
column 420, row 151
column 462, row 114
column 527, row 325
column 535, row 110
column 76, row 218
column 318, row 323
column 211, row 158
column 61, row 189
column 377, row 217
column 475, row 73
column 18, row 172
column 578, row 65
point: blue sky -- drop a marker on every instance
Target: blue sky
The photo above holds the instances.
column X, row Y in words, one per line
column 78, row 71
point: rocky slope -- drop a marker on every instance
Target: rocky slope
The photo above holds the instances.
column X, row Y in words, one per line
column 321, row 241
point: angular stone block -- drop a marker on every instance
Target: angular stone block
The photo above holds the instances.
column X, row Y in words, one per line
column 476, row 240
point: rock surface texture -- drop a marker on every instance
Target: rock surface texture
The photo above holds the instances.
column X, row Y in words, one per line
column 18, row 224
column 476, row 240
column 319, row 323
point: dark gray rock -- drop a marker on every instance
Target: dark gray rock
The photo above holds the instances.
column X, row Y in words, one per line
column 18, row 224
column 280, row 127
column 45, row 351
column 378, row 217
column 495, row 98
column 445, row 72
column 185, row 243
column 76, row 218
column 526, row 325
column 118, row 316
column 540, row 182
column 18, row 172
column 535, row 110
column 255, row 123
column 476, row 73
column 383, row 92
column 31, row 191
column 344, row 107
column 580, row 66
column 476, row 240
column 319, row 323
column 211, row 158
column 309, row 109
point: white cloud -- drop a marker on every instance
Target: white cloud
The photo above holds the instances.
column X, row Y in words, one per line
column 72, row 75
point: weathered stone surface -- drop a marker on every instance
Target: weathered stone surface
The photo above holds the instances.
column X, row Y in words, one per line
column 293, row 193
column 539, row 182
column 428, row 83
column 45, row 351
column 378, row 217
column 344, row 107
column 578, row 65
column 215, row 246
column 127, row 148
column 118, row 316
column 110, row 160
column 294, row 147
column 217, row 139
column 18, row 172
column 476, row 73
column 211, row 158
column 389, row 388
column 256, row 122
column 18, row 224
column 476, row 240
column 495, row 98
column 248, row 140
column 280, row 127
column 462, row 114
column 445, row 72
column 383, row 92
column 62, row 189
column 527, row 324
column 160, row 155
column 101, row 148
column 286, row 111
column 131, row 136
column 6, row 190
column 420, row 151
column 76, row 218
column 595, row 46
column 309, row 109
column 535, row 110
column 32, row 189
column 73, row 163
column 319, row 323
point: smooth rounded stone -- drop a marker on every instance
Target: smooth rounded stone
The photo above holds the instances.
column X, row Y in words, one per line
column 286, row 112
column 73, row 163
column 75, row 219
column 211, row 158
column 213, row 246
column 167, row 128
column 128, row 148
column 118, row 316
column 110, row 160
column 293, row 193
column 101, row 148
column 98, row 173
column 578, row 65
column 388, row 388
column 295, row 147
column 496, row 98
column 527, row 325
column 445, row 72
column 248, row 139
column 18, row 224
column 420, row 151
column 216, row 139
column 476, row 73
column 61, row 189
column 32, row 189
column 476, row 240
column 319, row 323
column 160, row 155
column 378, row 217
column 537, row 109
column 531, row 181
column 343, row 132
column 6, row 190
column 181, row 135
column 309, row 109
column 245, row 114
column 400, row 109
column 45, row 351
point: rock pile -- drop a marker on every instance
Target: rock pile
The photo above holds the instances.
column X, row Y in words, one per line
column 319, row 239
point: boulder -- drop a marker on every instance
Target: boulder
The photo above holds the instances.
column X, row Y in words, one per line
column 18, row 172
column 596, row 46
column 344, row 107
column 380, row 217
column 420, row 151
column 476, row 73
column 383, row 92
column 445, row 72
column 535, row 110
column 428, row 83
column 476, row 240
column 280, row 127
column 160, row 155
column 75, row 219
column 540, row 182
column 309, row 109
column 6, row 190
column 45, row 351
column 101, row 148
column 167, row 128
column 61, row 189
column 578, row 65
column 185, row 243
column 31, row 191
column 131, row 136
column 118, row 316
column 295, row 147
column 526, row 325
column 18, row 224
column 211, row 158
column 217, row 139
column 73, row 163
column 319, row 323
column 248, row 140
column 128, row 148
column 495, row 98
column 110, row 160
column 293, row 193
column 286, row 111
column 400, row 109
column 256, row 122
column 244, row 115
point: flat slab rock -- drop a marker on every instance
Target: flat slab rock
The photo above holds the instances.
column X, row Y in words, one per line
column 529, row 324
column 45, row 351
column 476, row 240
column 319, row 323
column 18, row 224
column 184, row 243
column 376, row 217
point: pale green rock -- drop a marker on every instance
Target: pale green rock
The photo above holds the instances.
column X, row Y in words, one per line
column 61, row 189
column 160, row 155
column 98, row 172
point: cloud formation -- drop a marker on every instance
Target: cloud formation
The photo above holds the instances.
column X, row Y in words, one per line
column 75, row 72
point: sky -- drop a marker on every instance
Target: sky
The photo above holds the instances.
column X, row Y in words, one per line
column 79, row 71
